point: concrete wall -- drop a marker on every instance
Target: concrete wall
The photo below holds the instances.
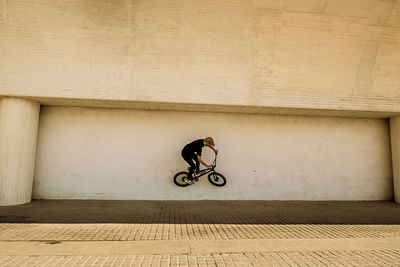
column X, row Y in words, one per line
column 130, row 154
column 317, row 54
column 308, row 57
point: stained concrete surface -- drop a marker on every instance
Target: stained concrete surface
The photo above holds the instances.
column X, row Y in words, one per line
column 206, row 211
column 200, row 233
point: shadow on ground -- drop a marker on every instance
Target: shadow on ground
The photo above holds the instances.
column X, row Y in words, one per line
column 203, row 212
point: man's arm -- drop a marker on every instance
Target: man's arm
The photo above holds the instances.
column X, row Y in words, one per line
column 202, row 162
column 215, row 150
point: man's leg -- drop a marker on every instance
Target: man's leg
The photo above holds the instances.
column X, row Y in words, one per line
column 189, row 160
column 197, row 163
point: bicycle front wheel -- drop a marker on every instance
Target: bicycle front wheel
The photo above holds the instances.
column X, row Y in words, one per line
column 217, row 179
column 179, row 179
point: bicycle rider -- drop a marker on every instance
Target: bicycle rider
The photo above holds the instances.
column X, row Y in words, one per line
column 192, row 152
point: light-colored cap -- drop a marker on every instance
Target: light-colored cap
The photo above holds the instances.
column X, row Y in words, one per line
column 209, row 140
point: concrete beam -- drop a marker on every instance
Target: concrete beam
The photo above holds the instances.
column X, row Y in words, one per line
column 283, row 105
column 19, row 120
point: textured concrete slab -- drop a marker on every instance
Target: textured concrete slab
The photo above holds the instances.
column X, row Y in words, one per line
column 333, row 244
column 95, row 247
column 112, row 248
column 332, row 258
column 262, row 245
column 328, row 57
column 225, row 246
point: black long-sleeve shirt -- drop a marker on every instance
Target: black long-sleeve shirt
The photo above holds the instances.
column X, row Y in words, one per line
column 194, row 147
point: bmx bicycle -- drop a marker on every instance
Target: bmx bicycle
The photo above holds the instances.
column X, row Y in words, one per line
column 215, row 178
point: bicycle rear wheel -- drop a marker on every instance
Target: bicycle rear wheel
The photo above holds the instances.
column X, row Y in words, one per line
column 179, row 179
column 217, row 179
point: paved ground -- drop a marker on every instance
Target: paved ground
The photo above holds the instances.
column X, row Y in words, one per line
column 200, row 233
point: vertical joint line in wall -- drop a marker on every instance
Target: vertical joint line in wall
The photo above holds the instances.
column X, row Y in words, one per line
column 35, row 149
column 391, row 156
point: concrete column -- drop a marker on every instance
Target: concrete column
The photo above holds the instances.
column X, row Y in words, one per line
column 395, row 139
column 19, row 120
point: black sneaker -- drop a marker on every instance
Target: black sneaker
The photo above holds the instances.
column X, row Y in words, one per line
column 195, row 178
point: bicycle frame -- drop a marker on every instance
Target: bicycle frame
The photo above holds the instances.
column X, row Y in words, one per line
column 208, row 170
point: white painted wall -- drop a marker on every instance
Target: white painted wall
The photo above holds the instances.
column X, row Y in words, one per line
column 87, row 153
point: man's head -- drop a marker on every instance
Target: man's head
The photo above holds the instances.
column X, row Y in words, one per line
column 209, row 141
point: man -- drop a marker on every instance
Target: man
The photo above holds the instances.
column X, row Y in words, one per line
column 192, row 152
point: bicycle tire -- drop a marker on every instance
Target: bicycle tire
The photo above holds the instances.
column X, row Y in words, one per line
column 178, row 179
column 217, row 179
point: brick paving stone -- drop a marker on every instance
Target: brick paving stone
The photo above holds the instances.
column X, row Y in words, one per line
column 130, row 232
column 209, row 220
column 203, row 212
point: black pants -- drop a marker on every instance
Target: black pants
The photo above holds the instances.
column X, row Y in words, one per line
column 189, row 158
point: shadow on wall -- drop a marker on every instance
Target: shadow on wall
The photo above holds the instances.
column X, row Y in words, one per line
column 203, row 212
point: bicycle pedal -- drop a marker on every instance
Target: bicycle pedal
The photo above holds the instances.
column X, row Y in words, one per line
column 188, row 181
column 196, row 179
